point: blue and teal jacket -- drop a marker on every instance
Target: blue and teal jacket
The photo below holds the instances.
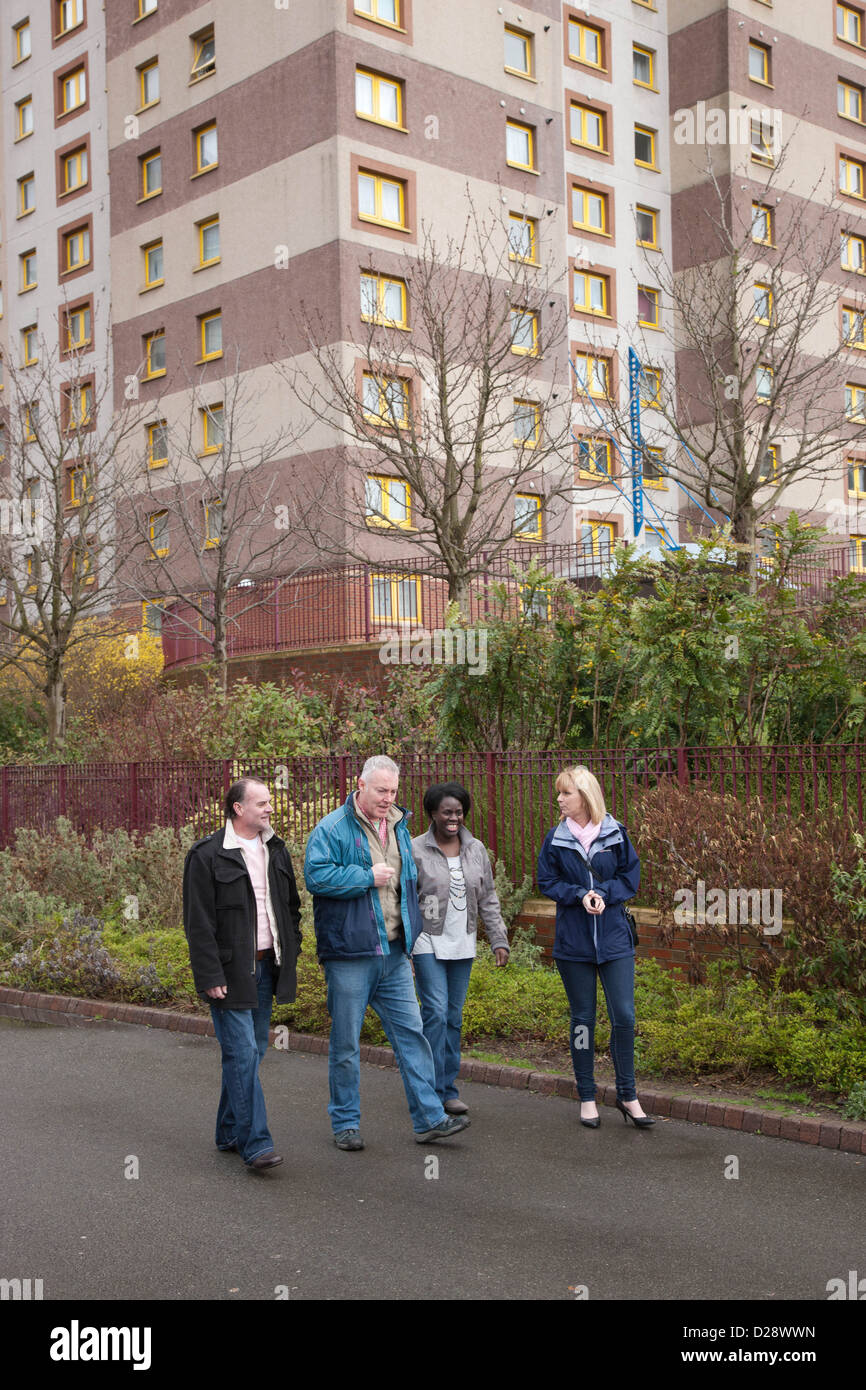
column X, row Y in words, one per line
column 566, row 873
column 338, row 871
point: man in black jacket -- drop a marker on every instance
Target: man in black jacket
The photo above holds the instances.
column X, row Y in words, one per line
column 241, row 915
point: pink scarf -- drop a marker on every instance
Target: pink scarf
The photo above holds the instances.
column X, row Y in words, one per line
column 584, row 833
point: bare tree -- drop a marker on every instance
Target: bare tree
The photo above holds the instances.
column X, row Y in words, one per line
column 455, row 400
column 208, row 507
column 61, row 481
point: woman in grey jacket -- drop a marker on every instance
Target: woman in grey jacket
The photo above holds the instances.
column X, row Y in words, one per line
column 455, row 888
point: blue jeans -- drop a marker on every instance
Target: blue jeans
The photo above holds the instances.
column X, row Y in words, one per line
column 442, row 986
column 617, row 981
column 384, row 983
column 243, row 1037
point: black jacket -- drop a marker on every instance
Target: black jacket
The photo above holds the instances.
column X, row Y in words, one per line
column 219, row 918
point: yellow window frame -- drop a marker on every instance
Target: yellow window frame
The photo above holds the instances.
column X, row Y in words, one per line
column 849, row 19
column 78, row 321
column 384, row 414
column 586, row 281
column 78, row 12
column 857, row 477
column 854, row 327
column 377, row 79
column 762, row 296
column 524, row 410
column 206, row 319
column 526, row 533
column 650, row 386
column 589, row 446
column 761, row 52
column 146, row 7
column 764, row 368
column 201, row 66
column 762, row 219
column 530, row 225
column 654, row 297
column 75, row 245
column 31, row 421
column 856, row 263
column 652, row 134
column 771, row 456
column 640, row 50
column 857, row 551
column 200, row 136
column 211, row 416
column 149, row 340
column 652, row 453
column 847, row 168
column 74, row 83
column 760, row 136
column 30, row 345
column 33, row 571
column 525, row 40
column 519, row 128
column 80, row 408
column 26, row 188
column 586, row 32
column 212, row 507
column 379, row 181
column 395, row 583
column 157, row 430
column 519, row 317
column 24, row 110
column 380, row 283
column 587, row 195
column 158, row 522
column 143, row 72
column 595, row 366
column 652, row 213
column 372, row 13
column 849, row 100
column 151, row 281
column 20, row 31
column 202, row 228
column 78, row 487
column 855, row 402
column 154, row 157
column 381, row 515
column 596, row 530
column 584, row 113
column 75, row 161
column 27, row 258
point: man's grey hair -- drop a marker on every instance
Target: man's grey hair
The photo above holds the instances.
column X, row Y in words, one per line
column 378, row 764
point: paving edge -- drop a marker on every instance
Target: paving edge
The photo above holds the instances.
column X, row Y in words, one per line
column 849, row 1136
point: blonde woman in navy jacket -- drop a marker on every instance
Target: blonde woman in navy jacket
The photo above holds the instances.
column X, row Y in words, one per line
column 589, row 867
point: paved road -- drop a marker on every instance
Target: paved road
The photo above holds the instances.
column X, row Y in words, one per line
column 526, row 1205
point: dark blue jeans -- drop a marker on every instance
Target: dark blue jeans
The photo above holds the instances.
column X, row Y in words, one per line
column 243, row 1037
column 442, row 986
column 617, row 981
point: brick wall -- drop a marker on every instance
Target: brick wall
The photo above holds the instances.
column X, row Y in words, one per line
column 357, row 663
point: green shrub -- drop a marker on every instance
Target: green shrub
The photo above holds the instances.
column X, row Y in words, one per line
column 855, row 1105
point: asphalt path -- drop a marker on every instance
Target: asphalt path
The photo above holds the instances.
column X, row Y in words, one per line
column 525, row 1204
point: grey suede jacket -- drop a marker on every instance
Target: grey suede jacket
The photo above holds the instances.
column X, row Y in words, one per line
column 434, row 880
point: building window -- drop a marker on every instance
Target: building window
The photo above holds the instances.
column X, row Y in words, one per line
column 151, row 174
column 763, row 303
column 381, row 199
column 646, row 227
column 853, row 252
column 527, row 517
column 762, row 136
column 148, row 84
column 75, row 174
column 378, row 98
column 593, row 374
column 519, row 145
column 151, row 616
column 759, row 62
column 593, row 458
column 645, row 147
column 857, row 553
column 388, row 502
column 396, row 598
column 522, row 238
column 78, row 487
column 855, row 402
column 643, row 66
column 597, row 539
column 383, row 300
column 157, row 444
column 154, row 354
column 588, row 127
column 28, row 270
column 73, row 90
column 213, row 521
column 591, row 293
column 763, row 382
column 24, row 117
column 23, row 47
column 857, row 477
column 76, row 249
column 648, row 307
column 153, row 264
column 206, row 153
column 146, row 7
column 524, row 331
column 381, row 11
column 849, row 100
column 851, row 176
column 653, row 538
column 652, row 471
column 762, row 224
column 589, row 210
column 209, row 241
column 34, row 568
column 586, row 44
column 213, row 428
column 650, row 386
column 527, row 424
column 849, row 25
column 518, row 52
column 29, row 345
column 31, row 422
column 386, row 400
column 78, row 327
column 770, row 464
column 26, row 194
column 157, row 530
column 78, row 406
column 211, row 326
column 203, row 55
column 82, row 559
column 854, row 328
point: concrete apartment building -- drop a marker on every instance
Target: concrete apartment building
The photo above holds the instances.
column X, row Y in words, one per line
column 263, row 167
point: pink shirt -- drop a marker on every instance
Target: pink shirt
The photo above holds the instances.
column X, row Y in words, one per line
column 254, row 858
column 584, row 833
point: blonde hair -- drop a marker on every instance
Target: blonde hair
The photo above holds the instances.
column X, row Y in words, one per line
column 580, row 779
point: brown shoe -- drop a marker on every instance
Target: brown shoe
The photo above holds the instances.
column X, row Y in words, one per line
column 262, row 1161
column 456, row 1107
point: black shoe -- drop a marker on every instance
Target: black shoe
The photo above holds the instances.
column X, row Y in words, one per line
column 263, row 1161
column 591, row 1123
column 640, row 1121
column 349, row 1139
column 452, row 1124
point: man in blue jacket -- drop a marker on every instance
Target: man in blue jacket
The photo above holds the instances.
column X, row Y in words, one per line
column 360, row 870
